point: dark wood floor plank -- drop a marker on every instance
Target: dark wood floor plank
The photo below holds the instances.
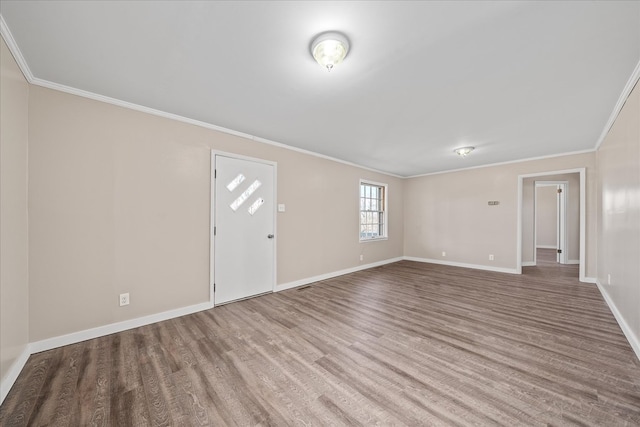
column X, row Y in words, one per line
column 157, row 401
column 100, row 406
column 401, row 344
column 26, row 391
column 46, row 404
column 67, row 385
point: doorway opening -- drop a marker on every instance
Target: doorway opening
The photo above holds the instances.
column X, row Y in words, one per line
column 547, row 266
column 568, row 235
column 550, row 202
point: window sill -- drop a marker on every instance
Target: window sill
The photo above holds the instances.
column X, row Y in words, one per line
column 377, row 239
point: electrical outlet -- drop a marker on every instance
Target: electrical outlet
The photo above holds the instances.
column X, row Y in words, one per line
column 124, row 299
column 490, row 257
column 444, row 253
column 608, row 279
column 361, row 257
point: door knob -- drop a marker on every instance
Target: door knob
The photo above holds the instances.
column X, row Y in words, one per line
column 270, row 236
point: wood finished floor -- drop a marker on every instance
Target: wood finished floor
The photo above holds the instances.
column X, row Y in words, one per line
column 402, row 344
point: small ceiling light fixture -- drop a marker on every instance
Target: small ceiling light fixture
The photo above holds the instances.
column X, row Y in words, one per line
column 463, row 151
column 329, row 49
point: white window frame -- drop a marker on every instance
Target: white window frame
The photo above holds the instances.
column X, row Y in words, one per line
column 385, row 225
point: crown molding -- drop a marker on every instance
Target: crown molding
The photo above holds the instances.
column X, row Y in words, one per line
column 15, row 51
column 509, row 162
column 626, row 91
column 141, row 108
column 22, row 63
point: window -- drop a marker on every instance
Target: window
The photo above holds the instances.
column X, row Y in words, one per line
column 373, row 211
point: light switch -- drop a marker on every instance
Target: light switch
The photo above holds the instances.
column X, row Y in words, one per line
column 281, row 207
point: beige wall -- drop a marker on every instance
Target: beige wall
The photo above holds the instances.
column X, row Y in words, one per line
column 119, row 202
column 619, row 214
column 573, row 215
column 546, row 218
column 14, row 287
column 449, row 212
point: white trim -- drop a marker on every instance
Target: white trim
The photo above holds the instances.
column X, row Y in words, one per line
column 14, row 370
column 322, row 156
column 377, row 239
column 509, row 162
column 634, row 341
column 519, row 227
column 75, row 337
column 583, row 216
column 386, row 210
column 112, row 328
column 13, row 47
column 462, row 264
column 308, row 280
column 15, row 51
column 571, row 261
column 18, row 364
column 622, row 99
column 582, row 260
column 589, row 280
column 275, row 226
column 560, row 219
column 212, row 224
column 176, row 117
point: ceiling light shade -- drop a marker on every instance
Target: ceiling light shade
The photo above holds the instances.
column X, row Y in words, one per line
column 463, row 151
column 329, row 49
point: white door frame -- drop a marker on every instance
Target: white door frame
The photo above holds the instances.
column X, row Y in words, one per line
column 212, row 204
column 582, row 172
column 561, row 219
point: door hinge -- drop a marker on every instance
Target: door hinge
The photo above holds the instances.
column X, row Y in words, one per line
column 559, row 251
column 214, row 230
column 559, row 190
column 215, row 173
column 214, row 287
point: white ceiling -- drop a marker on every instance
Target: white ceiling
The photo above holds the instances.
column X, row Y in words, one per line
column 514, row 79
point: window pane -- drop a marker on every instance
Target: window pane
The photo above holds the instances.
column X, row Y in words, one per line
column 372, row 215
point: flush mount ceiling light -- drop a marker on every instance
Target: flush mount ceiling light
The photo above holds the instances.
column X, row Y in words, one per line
column 463, row 151
column 329, row 49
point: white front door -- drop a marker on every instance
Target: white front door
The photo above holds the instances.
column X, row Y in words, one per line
column 244, row 241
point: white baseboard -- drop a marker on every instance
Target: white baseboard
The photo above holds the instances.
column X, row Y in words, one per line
column 308, row 280
column 12, row 374
column 75, row 337
column 87, row 334
column 532, row 264
column 634, row 341
column 589, row 280
column 463, row 265
column 546, row 247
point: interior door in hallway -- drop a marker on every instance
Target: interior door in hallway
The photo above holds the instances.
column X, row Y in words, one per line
column 244, row 228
